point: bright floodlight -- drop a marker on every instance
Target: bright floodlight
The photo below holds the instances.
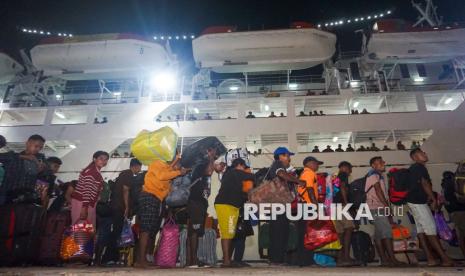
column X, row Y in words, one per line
column 381, row 15
column 267, row 107
column 192, row 36
column 163, row 81
column 388, row 12
column 319, row 25
column 196, row 110
column 72, row 146
column 419, row 79
column 341, row 22
column 24, row 30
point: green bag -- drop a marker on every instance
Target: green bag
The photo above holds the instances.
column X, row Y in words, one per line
column 264, row 236
column 293, row 237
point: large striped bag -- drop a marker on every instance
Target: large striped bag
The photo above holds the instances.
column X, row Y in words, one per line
column 78, row 242
column 168, row 244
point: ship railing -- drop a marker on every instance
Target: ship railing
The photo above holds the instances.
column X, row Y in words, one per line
column 230, row 109
column 349, row 55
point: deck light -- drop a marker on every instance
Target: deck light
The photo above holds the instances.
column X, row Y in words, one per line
column 335, row 138
column 419, row 79
column 233, row 88
column 293, row 85
column 448, row 100
column 196, row 110
column 60, row 115
column 356, row 104
column 267, row 107
column 72, row 146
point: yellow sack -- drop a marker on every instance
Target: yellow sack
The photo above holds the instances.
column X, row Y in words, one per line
column 156, row 145
column 335, row 245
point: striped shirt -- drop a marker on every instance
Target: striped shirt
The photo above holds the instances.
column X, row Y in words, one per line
column 89, row 186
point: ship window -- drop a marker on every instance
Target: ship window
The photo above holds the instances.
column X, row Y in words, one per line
column 354, row 71
column 404, row 71
column 421, row 70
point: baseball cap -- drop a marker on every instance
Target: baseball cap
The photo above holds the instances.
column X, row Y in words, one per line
column 311, row 158
column 282, row 150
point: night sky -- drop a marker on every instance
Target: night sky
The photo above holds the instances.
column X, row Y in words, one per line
column 151, row 17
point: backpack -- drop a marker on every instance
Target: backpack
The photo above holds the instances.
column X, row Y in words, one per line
column 134, row 191
column 103, row 207
column 234, row 154
column 356, row 193
column 180, row 191
column 398, row 185
column 362, row 247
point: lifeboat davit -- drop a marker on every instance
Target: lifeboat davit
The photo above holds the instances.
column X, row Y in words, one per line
column 99, row 56
column 224, row 50
column 396, row 41
column 9, row 68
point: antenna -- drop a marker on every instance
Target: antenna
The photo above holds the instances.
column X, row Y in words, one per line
column 427, row 13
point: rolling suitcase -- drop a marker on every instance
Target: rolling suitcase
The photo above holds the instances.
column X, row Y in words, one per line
column 51, row 237
column 197, row 152
column 20, row 245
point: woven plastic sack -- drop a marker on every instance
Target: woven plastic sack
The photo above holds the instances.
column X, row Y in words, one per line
column 167, row 252
column 127, row 236
column 82, row 233
column 444, row 231
column 319, row 233
column 68, row 247
column 271, row 191
column 156, row 145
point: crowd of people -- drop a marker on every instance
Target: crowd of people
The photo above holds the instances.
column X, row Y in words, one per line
column 143, row 194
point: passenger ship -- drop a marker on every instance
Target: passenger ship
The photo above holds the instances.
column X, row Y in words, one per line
column 408, row 79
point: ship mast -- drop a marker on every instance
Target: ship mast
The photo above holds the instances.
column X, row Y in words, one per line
column 427, row 13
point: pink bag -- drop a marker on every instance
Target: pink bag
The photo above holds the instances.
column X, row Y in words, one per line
column 167, row 252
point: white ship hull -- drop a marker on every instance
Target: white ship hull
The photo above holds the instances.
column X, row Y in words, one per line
column 261, row 51
column 417, row 47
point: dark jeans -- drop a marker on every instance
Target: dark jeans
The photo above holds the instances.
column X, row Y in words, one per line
column 304, row 256
column 112, row 251
column 238, row 245
column 279, row 234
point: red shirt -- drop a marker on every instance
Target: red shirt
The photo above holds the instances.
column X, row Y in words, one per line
column 89, row 186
